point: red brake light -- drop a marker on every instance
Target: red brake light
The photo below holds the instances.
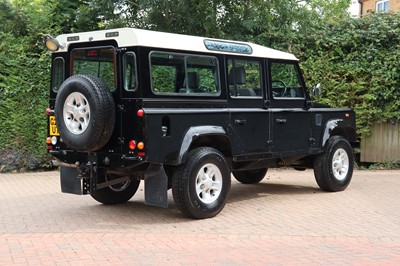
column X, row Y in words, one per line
column 140, row 113
column 92, row 53
column 132, row 144
column 49, row 112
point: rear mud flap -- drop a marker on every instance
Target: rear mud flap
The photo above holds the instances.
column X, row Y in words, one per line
column 71, row 182
column 156, row 186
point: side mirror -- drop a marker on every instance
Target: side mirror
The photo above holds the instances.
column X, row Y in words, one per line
column 316, row 90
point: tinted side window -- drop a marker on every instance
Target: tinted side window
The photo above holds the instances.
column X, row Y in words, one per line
column 58, row 73
column 244, row 78
column 285, row 81
column 183, row 74
column 130, row 74
column 163, row 78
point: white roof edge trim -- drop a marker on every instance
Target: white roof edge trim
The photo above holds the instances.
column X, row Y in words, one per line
column 137, row 37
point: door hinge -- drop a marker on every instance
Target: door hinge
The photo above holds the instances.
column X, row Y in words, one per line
column 267, row 104
column 270, row 143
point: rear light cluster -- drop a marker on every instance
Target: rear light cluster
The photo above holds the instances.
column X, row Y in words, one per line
column 133, row 144
column 52, row 140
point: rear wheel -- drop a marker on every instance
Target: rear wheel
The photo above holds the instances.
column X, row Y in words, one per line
column 201, row 185
column 115, row 194
column 333, row 169
column 251, row 176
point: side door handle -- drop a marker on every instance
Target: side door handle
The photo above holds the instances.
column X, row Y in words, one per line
column 281, row 120
column 240, row 121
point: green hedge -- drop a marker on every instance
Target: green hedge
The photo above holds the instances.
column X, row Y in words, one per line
column 356, row 60
column 24, row 82
column 358, row 63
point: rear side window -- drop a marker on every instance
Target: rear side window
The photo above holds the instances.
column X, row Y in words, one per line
column 244, row 77
column 130, row 74
column 99, row 62
column 182, row 74
column 58, row 73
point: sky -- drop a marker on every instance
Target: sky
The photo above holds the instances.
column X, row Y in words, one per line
column 354, row 9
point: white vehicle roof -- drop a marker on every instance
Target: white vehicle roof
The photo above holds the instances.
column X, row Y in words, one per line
column 127, row 37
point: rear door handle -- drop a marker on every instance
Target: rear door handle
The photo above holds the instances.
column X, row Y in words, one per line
column 281, row 120
column 240, row 121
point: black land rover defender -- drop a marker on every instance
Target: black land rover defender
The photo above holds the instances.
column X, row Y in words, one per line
column 185, row 112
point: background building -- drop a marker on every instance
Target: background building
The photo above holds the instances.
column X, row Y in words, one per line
column 369, row 6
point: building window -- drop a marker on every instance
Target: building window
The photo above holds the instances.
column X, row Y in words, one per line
column 382, row 6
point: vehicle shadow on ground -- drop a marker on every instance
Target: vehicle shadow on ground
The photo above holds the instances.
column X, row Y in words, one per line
column 243, row 192
column 136, row 210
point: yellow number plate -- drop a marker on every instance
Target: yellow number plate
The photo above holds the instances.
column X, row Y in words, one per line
column 53, row 127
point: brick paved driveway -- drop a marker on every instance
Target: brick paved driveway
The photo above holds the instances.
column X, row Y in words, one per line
column 285, row 220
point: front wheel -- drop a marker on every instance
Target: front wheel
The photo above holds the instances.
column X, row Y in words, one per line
column 200, row 186
column 333, row 169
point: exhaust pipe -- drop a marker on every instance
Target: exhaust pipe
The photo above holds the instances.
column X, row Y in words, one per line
column 59, row 163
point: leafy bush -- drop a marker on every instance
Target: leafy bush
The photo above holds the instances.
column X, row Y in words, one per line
column 23, row 98
column 356, row 60
column 358, row 63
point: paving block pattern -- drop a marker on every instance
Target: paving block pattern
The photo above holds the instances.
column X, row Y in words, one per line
column 284, row 220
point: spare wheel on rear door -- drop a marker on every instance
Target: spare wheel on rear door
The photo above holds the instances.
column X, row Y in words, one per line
column 85, row 113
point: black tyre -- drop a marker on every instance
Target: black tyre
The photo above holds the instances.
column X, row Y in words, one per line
column 85, row 113
column 333, row 169
column 116, row 194
column 251, row 176
column 201, row 185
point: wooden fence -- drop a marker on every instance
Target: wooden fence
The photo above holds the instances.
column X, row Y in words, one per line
column 383, row 145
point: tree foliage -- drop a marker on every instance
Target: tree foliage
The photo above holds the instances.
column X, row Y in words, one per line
column 356, row 60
